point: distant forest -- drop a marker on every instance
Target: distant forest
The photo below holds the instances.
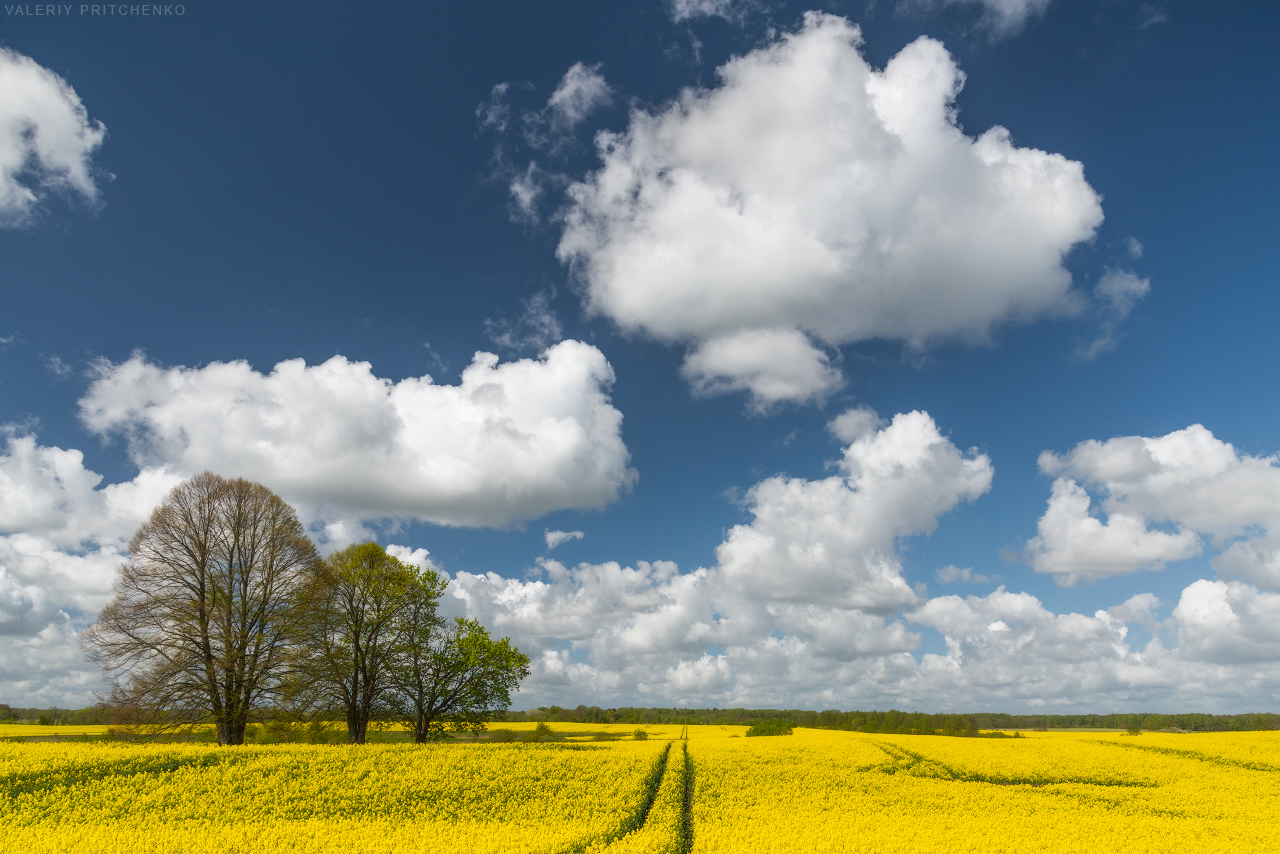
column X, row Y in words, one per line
column 895, row 722
column 903, row 723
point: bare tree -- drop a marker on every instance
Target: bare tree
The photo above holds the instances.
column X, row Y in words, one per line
column 206, row 606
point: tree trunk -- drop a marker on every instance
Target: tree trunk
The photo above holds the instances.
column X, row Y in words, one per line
column 357, row 728
column 230, row 732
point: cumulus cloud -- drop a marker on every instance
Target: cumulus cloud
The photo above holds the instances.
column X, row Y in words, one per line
column 853, row 424
column 62, row 534
column 46, row 138
column 415, row 557
column 1194, row 485
column 557, row 538
column 832, row 540
column 807, row 606
column 1075, row 546
column 810, row 196
column 511, row 442
column 774, row 365
column 804, row 591
column 1228, row 623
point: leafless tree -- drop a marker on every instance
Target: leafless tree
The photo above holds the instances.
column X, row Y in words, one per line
column 206, row 607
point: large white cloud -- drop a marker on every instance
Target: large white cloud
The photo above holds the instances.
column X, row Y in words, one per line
column 805, row 591
column 832, row 541
column 62, row 536
column 46, row 138
column 511, row 442
column 807, row 605
column 1219, row 650
column 1162, row 496
column 812, row 197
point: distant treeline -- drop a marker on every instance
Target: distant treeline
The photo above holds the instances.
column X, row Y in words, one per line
column 54, row 716
column 903, row 723
column 892, row 721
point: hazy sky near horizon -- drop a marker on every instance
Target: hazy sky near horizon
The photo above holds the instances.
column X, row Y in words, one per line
column 913, row 354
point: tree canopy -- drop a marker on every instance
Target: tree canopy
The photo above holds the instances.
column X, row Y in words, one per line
column 224, row 608
column 207, row 606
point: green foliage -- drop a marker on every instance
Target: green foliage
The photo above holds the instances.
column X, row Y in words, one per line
column 355, row 599
column 640, row 734
column 540, row 733
column 451, row 677
column 502, row 736
column 769, row 728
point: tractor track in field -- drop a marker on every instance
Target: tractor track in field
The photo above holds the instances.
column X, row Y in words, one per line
column 636, row 821
column 686, row 810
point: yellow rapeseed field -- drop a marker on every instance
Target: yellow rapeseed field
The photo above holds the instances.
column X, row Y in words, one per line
column 681, row 790
column 89, row 798
column 825, row 792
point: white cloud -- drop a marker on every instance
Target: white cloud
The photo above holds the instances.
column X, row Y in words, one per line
column 1074, row 546
column 526, row 189
column 550, row 129
column 47, row 669
column 853, row 424
column 46, row 138
column 1228, row 623
column 62, row 535
column 832, row 541
column 1150, row 15
column 809, row 192
column 805, row 590
column 952, row 574
column 1187, row 480
column 774, row 365
column 510, row 442
column 415, row 557
column 1001, row 17
column 580, row 92
column 807, row 607
column 730, row 10
column 1117, row 292
column 535, row 330
column 557, row 538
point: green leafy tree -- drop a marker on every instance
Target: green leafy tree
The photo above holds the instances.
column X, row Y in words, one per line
column 356, row 602
column 451, row 676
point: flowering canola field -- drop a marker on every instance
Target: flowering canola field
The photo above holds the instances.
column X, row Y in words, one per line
column 691, row 790
column 825, row 792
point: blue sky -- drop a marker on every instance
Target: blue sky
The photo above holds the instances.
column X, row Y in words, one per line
column 715, row 247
